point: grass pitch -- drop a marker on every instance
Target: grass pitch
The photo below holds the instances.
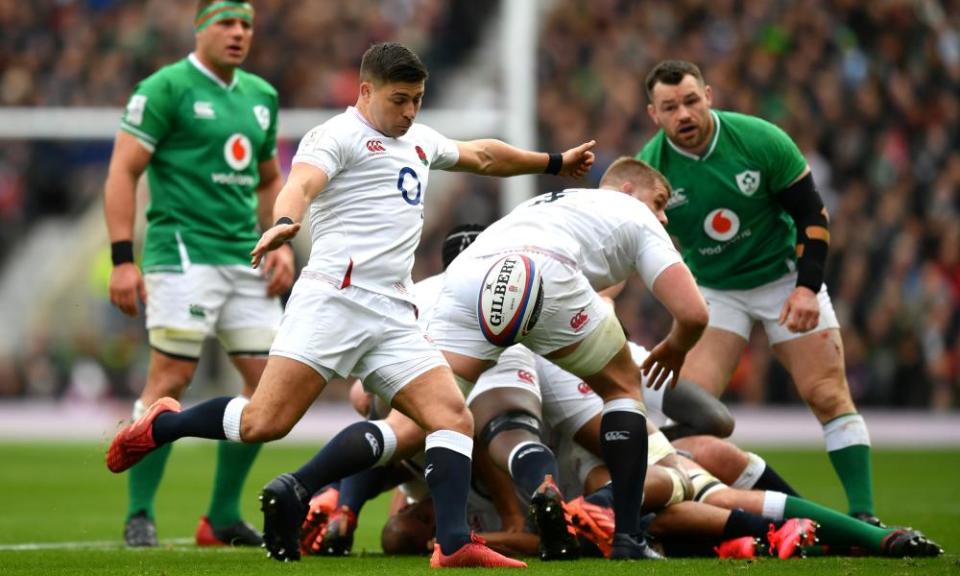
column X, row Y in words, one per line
column 61, row 512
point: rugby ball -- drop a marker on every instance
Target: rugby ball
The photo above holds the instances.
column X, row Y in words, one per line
column 510, row 300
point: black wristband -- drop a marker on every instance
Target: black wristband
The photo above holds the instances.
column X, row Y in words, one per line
column 554, row 163
column 121, row 252
column 283, row 220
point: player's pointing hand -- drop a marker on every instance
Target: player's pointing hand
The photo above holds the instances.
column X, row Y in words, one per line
column 578, row 161
column 272, row 239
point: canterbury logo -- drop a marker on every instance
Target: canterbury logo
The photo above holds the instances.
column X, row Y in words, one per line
column 578, row 320
column 374, row 445
column 375, row 146
column 616, row 435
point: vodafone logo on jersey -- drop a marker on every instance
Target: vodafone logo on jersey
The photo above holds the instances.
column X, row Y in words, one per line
column 721, row 224
column 238, row 152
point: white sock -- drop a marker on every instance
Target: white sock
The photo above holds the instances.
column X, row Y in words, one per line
column 844, row 431
column 774, row 504
column 231, row 418
column 751, row 473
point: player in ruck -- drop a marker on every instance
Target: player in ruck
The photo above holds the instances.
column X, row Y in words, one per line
column 584, row 240
column 363, row 175
column 205, row 132
column 754, row 232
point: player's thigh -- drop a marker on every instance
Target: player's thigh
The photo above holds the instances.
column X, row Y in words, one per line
column 287, row 389
column 452, row 323
column 619, row 378
column 433, row 400
column 816, row 364
column 248, row 323
column 568, row 402
column 330, row 329
column 711, row 362
column 721, row 458
column 509, row 385
column 571, row 314
column 769, row 300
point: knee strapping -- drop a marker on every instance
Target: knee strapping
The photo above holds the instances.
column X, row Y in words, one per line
column 512, row 420
column 658, row 448
column 177, row 342
column 680, row 484
column 704, row 484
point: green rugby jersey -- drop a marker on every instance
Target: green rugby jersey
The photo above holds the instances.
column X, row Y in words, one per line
column 733, row 233
column 207, row 139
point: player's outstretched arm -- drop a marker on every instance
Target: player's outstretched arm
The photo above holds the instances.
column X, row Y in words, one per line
column 304, row 183
column 497, row 158
column 676, row 289
column 127, row 163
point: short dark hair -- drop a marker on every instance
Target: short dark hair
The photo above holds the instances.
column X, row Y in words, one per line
column 457, row 241
column 625, row 169
column 391, row 62
column 671, row 72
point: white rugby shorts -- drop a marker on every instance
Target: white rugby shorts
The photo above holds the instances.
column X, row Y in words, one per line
column 355, row 332
column 571, row 308
column 226, row 301
column 516, row 368
column 736, row 310
column 568, row 403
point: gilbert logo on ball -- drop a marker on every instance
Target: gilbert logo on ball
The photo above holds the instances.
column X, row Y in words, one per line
column 510, row 300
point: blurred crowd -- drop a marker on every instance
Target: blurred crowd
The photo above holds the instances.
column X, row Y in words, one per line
column 870, row 91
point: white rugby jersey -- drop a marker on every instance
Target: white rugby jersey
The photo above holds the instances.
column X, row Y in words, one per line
column 366, row 223
column 606, row 234
column 426, row 295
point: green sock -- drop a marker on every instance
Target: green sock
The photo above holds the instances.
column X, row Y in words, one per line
column 856, row 474
column 234, row 460
column 836, row 528
column 144, row 479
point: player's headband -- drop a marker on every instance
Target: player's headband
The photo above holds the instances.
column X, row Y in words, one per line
column 221, row 11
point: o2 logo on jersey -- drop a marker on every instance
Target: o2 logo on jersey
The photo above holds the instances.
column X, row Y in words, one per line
column 238, row 152
column 721, row 224
column 407, row 183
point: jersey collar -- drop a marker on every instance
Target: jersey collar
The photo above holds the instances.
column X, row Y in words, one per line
column 209, row 74
column 713, row 143
column 360, row 117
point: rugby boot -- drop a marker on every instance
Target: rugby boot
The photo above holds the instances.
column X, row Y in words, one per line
column 742, row 548
column 238, row 534
column 592, row 522
column 558, row 539
column 321, row 507
column 869, row 519
column 337, row 539
column 906, row 542
column 792, row 535
column 135, row 440
column 476, row 554
column 140, row 531
column 632, row 547
column 284, row 504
